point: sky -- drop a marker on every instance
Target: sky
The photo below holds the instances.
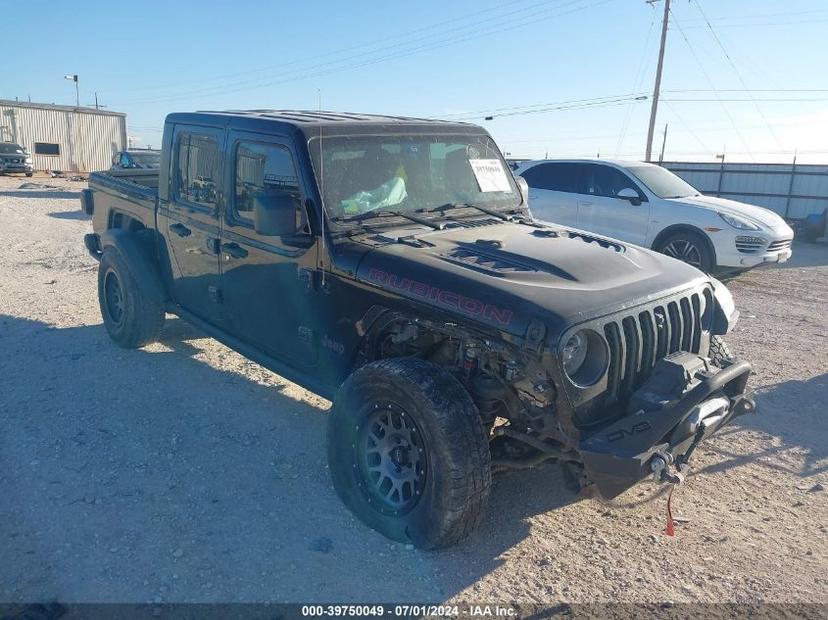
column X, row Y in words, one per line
column 559, row 78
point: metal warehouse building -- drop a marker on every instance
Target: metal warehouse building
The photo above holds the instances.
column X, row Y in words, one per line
column 62, row 137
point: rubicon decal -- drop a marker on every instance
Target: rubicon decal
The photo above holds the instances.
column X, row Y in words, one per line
column 449, row 299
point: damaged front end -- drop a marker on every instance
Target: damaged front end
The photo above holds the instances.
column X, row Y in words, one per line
column 685, row 400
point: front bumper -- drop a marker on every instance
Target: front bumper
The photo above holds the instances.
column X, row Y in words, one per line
column 686, row 400
column 739, row 249
column 16, row 168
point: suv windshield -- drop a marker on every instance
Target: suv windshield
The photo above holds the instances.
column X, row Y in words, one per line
column 150, row 159
column 662, row 182
column 10, row 148
column 410, row 173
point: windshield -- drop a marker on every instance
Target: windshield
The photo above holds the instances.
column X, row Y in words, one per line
column 409, row 173
column 151, row 159
column 11, row 148
column 662, row 182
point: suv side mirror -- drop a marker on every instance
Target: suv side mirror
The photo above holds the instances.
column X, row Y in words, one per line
column 523, row 186
column 630, row 194
column 274, row 214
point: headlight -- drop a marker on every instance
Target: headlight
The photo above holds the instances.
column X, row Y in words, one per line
column 725, row 314
column 584, row 357
column 28, row 160
column 738, row 222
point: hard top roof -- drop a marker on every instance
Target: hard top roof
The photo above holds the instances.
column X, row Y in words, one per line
column 312, row 123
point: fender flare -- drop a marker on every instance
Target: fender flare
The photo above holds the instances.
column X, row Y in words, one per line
column 676, row 228
column 138, row 251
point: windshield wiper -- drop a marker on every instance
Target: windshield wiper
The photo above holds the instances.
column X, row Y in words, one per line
column 462, row 205
column 370, row 215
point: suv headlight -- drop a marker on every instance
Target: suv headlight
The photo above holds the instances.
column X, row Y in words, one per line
column 739, row 222
column 585, row 358
column 28, row 160
column 725, row 314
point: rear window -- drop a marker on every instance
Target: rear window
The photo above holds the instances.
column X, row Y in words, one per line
column 555, row 177
column 198, row 169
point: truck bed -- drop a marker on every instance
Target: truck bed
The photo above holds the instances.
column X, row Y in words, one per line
column 129, row 194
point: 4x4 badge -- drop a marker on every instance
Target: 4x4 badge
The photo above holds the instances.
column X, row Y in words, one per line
column 660, row 320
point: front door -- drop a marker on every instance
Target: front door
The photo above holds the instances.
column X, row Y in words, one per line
column 602, row 212
column 192, row 222
column 268, row 282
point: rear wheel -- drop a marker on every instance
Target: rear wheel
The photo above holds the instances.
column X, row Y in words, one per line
column 132, row 316
column 408, row 453
column 690, row 248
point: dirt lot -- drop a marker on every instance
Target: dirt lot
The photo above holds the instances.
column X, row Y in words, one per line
column 183, row 472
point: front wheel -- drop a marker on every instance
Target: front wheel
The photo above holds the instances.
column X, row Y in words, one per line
column 408, row 453
column 690, row 248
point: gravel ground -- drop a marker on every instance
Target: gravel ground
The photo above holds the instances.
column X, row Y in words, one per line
column 183, row 472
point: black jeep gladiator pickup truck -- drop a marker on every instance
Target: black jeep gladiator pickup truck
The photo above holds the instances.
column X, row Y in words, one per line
column 391, row 265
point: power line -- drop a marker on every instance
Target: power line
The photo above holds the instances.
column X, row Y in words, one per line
column 738, row 75
column 336, row 66
column 609, row 102
column 639, row 75
column 222, row 78
column 709, row 81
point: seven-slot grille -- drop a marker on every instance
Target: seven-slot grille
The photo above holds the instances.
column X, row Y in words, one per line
column 638, row 341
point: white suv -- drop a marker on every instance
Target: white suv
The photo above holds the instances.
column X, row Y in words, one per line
column 650, row 206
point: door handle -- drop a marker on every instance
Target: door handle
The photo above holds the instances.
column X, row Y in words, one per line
column 180, row 230
column 234, row 250
column 586, row 203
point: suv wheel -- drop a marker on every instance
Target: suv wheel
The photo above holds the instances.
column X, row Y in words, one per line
column 408, row 453
column 688, row 247
column 133, row 317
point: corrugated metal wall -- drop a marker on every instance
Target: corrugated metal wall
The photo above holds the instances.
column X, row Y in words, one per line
column 87, row 139
column 793, row 191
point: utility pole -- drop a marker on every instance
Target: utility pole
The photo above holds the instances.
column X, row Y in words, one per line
column 654, row 107
column 663, row 144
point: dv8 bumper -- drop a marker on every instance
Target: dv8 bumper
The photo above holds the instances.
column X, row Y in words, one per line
column 685, row 400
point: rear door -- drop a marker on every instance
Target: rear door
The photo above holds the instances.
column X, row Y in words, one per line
column 193, row 223
column 267, row 282
column 602, row 212
column 553, row 191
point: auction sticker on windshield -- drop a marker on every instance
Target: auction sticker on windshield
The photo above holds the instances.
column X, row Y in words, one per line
column 490, row 175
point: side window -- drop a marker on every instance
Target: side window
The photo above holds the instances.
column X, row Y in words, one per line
column 556, row 177
column 607, row 181
column 198, row 169
column 262, row 170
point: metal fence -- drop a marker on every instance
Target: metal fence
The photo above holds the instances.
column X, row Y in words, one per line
column 794, row 191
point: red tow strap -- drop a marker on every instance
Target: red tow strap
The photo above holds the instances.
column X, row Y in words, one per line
column 670, row 530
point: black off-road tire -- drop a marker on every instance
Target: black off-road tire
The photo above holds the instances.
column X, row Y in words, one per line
column 720, row 354
column 689, row 247
column 138, row 316
column 447, row 432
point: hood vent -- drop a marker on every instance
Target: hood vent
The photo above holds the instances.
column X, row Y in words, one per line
column 487, row 263
column 472, row 223
column 604, row 243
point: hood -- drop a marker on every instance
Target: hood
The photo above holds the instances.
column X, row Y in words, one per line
column 506, row 275
column 761, row 215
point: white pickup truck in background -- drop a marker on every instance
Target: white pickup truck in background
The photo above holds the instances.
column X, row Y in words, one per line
column 650, row 206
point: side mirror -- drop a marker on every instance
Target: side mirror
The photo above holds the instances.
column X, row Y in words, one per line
column 274, row 214
column 523, row 186
column 630, row 194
